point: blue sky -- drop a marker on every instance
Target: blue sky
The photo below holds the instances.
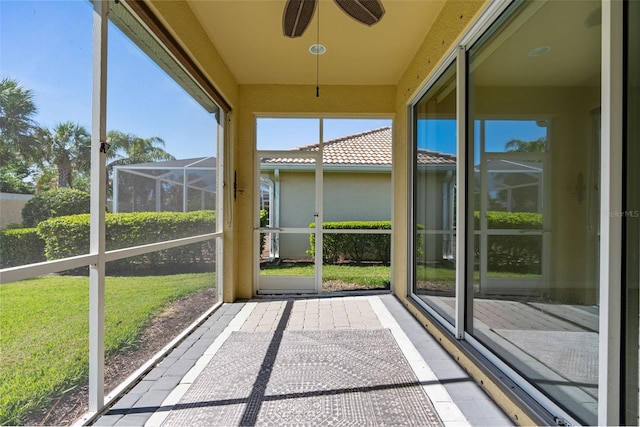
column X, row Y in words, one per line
column 440, row 135
column 46, row 46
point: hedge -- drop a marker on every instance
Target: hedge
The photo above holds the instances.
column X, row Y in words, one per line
column 69, row 236
column 512, row 253
column 20, row 246
column 54, row 203
column 355, row 247
column 510, row 220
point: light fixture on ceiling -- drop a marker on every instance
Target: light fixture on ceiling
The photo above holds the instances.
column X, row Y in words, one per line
column 539, row 51
column 317, row 49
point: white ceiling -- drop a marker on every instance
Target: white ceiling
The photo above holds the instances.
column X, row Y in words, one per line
column 248, row 36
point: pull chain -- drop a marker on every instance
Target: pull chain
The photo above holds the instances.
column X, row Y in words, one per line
column 318, row 56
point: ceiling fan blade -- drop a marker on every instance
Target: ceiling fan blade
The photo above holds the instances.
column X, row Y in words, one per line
column 367, row 12
column 296, row 17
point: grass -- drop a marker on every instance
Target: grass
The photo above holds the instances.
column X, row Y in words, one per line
column 44, row 330
column 373, row 276
column 377, row 276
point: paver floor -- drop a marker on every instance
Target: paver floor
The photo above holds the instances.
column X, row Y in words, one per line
column 180, row 389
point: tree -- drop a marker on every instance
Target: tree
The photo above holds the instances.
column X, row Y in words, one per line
column 18, row 147
column 67, row 149
column 521, row 146
column 16, row 122
column 129, row 149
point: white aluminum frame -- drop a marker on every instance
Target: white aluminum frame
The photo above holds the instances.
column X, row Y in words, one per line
column 98, row 201
column 461, row 194
column 611, row 183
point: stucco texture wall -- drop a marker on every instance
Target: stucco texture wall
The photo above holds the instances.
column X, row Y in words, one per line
column 353, row 196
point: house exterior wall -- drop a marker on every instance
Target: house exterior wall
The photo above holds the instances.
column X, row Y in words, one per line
column 347, row 197
column 12, row 205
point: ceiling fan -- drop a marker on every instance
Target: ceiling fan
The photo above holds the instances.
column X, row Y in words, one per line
column 298, row 13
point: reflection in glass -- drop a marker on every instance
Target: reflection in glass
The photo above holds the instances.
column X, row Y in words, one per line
column 435, row 193
column 534, row 138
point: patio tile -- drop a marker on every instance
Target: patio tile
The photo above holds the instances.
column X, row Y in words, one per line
column 309, row 314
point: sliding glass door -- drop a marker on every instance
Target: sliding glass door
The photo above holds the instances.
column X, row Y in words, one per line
column 530, row 131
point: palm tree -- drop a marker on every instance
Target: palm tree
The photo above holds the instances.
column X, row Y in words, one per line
column 128, row 149
column 519, row 145
column 67, row 149
column 17, row 126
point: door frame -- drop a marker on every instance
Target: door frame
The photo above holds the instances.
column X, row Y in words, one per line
column 289, row 284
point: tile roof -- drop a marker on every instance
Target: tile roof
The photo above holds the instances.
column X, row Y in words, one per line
column 369, row 148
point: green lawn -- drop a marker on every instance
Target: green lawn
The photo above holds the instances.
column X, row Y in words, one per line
column 374, row 276
column 44, row 330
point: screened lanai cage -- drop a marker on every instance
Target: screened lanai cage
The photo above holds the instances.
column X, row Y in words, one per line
column 170, row 186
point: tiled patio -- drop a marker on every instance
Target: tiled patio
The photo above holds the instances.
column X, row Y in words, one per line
column 191, row 386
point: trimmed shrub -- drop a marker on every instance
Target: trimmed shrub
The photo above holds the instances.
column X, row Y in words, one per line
column 512, row 253
column 20, row 246
column 354, row 247
column 510, row 220
column 55, row 203
column 69, row 236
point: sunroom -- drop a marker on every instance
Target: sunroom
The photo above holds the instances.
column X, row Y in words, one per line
column 527, row 277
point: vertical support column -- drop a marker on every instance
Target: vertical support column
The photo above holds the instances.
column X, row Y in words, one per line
column 98, row 203
column 611, row 214
column 220, row 206
column 319, row 214
column 461, row 194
